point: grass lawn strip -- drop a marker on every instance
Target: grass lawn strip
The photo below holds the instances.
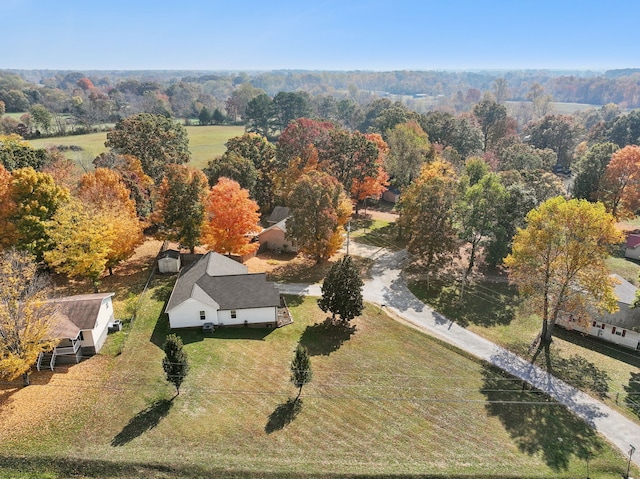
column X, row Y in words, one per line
column 205, row 143
column 385, row 399
column 493, row 311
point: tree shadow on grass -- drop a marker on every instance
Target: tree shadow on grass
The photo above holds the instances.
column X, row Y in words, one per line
column 321, row 339
column 632, row 399
column 284, row 414
column 142, row 422
column 577, row 372
column 537, row 423
column 485, row 303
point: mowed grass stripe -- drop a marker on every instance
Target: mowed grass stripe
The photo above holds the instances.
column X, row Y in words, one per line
column 377, row 415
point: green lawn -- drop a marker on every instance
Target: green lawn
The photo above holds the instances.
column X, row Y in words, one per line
column 383, row 234
column 385, row 400
column 494, row 311
column 205, row 142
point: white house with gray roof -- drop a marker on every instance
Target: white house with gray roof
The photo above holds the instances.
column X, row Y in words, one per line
column 621, row 327
column 220, row 291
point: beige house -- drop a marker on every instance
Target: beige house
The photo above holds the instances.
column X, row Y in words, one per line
column 274, row 238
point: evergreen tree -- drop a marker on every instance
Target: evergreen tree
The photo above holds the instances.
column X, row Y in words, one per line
column 342, row 290
column 175, row 363
column 204, row 116
column 301, row 373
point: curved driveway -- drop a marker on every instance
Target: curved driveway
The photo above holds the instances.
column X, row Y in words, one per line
column 386, row 288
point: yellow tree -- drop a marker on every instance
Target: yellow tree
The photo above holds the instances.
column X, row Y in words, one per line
column 7, row 209
column 319, row 210
column 105, row 190
column 427, row 214
column 24, row 319
column 82, row 238
column 558, row 261
column 36, row 197
column 620, row 184
column 232, row 217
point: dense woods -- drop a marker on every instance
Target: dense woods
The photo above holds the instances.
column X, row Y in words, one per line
column 471, row 154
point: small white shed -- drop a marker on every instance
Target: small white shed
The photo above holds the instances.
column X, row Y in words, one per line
column 169, row 261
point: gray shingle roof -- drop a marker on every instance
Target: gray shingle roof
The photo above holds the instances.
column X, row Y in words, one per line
column 227, row 282
column 626, row 317
column 278, row 214
column 75, row 313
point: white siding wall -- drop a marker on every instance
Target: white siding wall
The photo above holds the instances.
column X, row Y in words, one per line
column 169, row 265
column 633, row 253
column 629, row 340
column 96, row 337
column 187, row 314
column 251, row 316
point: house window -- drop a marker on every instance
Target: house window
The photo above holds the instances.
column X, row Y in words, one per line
column 624, row 333
column 594, row 324
column 234, row 315
column 613, row 330
column 81, row 336
column 203, row 316
column 602, row 326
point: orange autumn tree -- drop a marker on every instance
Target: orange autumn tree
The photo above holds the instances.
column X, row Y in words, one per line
column 375, row 185
column 105, row 190
column 620, row 185
column 231, row 218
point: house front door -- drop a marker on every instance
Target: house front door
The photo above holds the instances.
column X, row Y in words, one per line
column 599, row 333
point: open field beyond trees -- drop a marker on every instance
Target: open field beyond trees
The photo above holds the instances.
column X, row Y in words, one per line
column 385, row 400
column 205, row 143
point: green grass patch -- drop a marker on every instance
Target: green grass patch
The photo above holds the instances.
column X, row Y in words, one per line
column 378, row 233
column 385, row 400
column 628, row 269
column 494, row 311
column 205, row 143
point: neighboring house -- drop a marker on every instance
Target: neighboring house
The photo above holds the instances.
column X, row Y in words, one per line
column 80, row 324
column 632, row 249
column 392, row 195
column 219, row 291
column 278, row 214
column 169, row 261
column 274, row 238
column 621, row 327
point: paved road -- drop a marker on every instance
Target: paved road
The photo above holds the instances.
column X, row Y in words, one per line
column 389, row 290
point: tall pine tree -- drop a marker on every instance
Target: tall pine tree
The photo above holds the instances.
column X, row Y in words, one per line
column 301, row 372
column 175, row 363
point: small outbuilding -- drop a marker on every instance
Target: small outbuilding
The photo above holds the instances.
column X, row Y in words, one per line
column 392, row 195
column 169, row 261
column 632, row 247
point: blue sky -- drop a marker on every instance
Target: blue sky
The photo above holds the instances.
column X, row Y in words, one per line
column 319, row 35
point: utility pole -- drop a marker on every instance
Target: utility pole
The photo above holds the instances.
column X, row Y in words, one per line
column 631, row 451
